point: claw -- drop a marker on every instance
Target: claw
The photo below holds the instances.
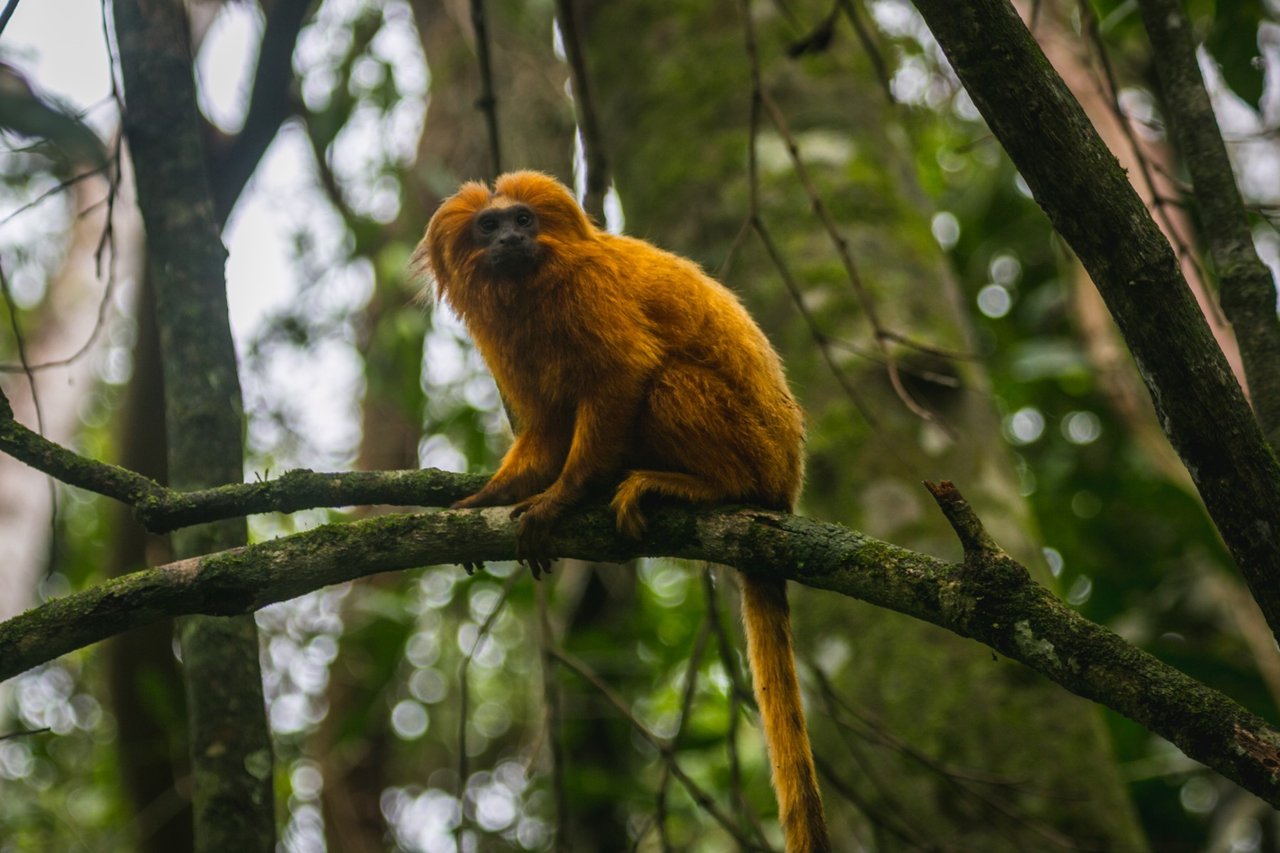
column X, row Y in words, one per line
column 538, row 566
column 533, row 537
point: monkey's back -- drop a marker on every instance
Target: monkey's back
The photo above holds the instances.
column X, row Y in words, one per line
column 719, row 405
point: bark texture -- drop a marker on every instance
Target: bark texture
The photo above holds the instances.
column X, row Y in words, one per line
column 230, row 744
column 1247, row 291
column 1086, row 195
column 987, row 597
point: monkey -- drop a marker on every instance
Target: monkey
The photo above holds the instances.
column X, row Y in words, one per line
column 628, row 367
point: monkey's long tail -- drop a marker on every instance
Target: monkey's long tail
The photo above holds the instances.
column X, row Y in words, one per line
column 768, row 626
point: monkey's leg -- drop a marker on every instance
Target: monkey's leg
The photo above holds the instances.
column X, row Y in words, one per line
column 626, row 501
column 529, row 467
column 600, row 429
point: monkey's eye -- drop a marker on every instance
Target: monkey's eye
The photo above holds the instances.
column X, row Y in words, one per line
column 524, row 219
column 488, row 224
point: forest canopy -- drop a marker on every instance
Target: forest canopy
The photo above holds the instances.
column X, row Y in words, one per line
column 1018, row 259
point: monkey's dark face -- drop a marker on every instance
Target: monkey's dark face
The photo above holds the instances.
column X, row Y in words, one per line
column 509, row 237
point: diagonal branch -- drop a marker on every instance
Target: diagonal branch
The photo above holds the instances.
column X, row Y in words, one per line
column 988, row 598
column 1087, row 196
column 1247, row 292
column 269, row 104
column 161, row 509
column 594, row 156
column 662, row 747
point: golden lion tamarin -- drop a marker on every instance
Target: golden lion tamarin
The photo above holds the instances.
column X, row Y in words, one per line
column 628, row 366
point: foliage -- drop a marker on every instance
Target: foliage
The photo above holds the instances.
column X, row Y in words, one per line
column 1122, row 531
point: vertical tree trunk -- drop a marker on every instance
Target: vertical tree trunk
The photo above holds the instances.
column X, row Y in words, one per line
column 231, row 747
column 144, row 679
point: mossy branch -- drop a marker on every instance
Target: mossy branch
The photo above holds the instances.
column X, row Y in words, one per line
column 1079, row 184
column 161, row 509
column 988, row 597
column 1247, row 292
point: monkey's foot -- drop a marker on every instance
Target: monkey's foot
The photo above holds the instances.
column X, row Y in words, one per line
column 538, row 516
column 501, row 490
column 481, row 498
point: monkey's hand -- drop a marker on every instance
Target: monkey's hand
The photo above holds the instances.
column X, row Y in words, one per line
column 485, row 497
column 482, row 498
column 493, row 493
column 538, row 515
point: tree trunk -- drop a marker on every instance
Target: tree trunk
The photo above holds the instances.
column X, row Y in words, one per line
column 144, row 679
column 230, row 744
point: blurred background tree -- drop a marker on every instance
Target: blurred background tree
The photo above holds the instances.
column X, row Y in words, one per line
column 947, row 333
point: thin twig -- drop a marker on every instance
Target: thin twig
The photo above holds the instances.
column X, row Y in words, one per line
column 35, row 396
column 551, row 698
column 686, row 706
column 104, row 301
column 841, row 244
column 760, row 99
column 464, row 699
column 113, row 166
column 20, row 341
column 927, row 348
column 108, row 233
column 739, row 695
column 867, row 39
column 61, row 186
column 819, row 337
column 662, row 747
column 1110, row 92
column 756, row 223
column 945, row 380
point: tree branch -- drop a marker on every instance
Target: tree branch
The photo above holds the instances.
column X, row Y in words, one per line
column 230, row 743
column 988, row 598
column 161, row 509
column 62, row 464
column 1086, row 195
column 269, row 104
column 487, row 102
column 1247, row 292
column 596, row 160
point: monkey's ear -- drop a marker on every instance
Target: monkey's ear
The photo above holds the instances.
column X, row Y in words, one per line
column 420, row 274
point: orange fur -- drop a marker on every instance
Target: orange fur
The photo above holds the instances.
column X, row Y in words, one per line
column 626, row 363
